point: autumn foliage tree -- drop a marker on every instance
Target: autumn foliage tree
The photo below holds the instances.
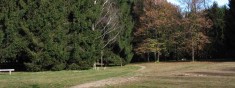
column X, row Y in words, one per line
column 155, row 26
column 175, row 32
column 196, row 26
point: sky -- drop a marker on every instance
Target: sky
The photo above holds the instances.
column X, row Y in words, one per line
column 220, row 2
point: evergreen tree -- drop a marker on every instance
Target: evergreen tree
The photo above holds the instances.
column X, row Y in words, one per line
column 230, row 41
column 125, row 39
column 217, row 32
column 59, row 34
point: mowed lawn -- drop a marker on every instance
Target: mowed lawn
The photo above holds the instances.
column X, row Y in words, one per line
column 61, row 79
column 153, row 75
column 184, row 75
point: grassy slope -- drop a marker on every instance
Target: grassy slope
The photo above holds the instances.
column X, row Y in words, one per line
column 185, row 75
column 60, row 79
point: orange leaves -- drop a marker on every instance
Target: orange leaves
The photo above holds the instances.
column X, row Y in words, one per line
column 155, row 15
column 157, row 22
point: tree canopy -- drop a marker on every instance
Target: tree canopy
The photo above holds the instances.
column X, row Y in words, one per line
column 58, row 34
column 40, row 35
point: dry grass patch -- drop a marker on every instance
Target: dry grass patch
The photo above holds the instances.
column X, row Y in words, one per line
column 185, row 75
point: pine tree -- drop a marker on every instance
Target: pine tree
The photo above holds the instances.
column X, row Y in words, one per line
column 230, row 41
column 217, row 32
column 125, row 38
column 58, row 34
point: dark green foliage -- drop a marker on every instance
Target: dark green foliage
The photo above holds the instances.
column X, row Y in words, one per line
column 217, row 32
column 125, row 39
column 57, row 34
column 230, row 29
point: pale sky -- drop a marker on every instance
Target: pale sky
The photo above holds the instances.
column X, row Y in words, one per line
column 220, row 2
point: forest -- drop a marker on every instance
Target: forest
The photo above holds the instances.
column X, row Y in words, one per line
column 42, row 35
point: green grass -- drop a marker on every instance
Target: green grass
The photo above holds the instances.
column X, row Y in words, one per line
column 60, row 79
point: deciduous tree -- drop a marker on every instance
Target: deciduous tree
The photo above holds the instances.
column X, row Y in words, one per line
column 157, row 20
column 195, row 26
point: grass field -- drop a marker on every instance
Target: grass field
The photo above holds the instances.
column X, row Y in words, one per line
column 151, row 75
column 60, row 79
column 184, row 75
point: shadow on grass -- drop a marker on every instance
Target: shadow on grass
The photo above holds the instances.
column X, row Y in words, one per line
column 232, row 69
column 214, row 73
column 35, row 86
column 4, row 73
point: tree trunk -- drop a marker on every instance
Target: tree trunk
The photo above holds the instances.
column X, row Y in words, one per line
column 148, row 57
column 94, row 66
column 192, row 46
column 193, row 53
column 101, row 58
column 121, row 62
column 155, row 56
column 158, row 56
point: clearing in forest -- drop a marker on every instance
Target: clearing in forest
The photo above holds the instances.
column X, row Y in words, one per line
column 174, row 75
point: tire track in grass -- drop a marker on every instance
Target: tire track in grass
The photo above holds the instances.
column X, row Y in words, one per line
column 110, row 81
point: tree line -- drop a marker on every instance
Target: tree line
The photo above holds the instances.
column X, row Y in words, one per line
column 39, row 35
column 194, row 31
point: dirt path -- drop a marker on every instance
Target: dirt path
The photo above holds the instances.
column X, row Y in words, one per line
column 110, row 81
